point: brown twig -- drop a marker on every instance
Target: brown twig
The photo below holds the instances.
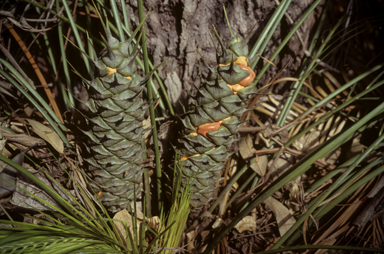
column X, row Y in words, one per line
column 37, row 71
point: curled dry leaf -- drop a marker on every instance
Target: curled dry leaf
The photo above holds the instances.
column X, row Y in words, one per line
column 247, row 223
column 22, row 139
column 308, row 142
column 153, row 222
column 217, row 223
column 284, row 219
column 2, row 144
column 247, row 151
column 124, row 216
column 147, row 126
column 48, row 135
column 29, row 111
column 206, row 215
column 278, row 166
column 190, row 239
column 294, row 194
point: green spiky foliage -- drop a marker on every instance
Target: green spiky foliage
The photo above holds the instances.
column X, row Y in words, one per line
column 214, row 118
column 116, row 131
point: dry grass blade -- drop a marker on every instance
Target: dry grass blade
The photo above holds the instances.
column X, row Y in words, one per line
column 37, row 71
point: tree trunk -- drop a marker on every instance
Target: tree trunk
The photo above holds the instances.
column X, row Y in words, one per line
column 176, row 29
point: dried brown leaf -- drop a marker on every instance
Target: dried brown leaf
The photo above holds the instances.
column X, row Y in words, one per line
column 246, row 150
column 124, row 216
column 356, row 147
column 247, row 223
column 284, row 219
column 2, row 144
column 147, row 126
column 190, row 239
column 153, row 222
column 217, row 223
column 309, row 141
column 23, row 139
column 29, row 111
column 279, row 165
column 47, row 134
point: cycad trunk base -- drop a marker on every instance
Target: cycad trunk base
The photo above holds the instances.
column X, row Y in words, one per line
column 116, row 134
column 209, row 129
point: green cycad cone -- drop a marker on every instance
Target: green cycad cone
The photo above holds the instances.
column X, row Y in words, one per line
column 116, row 131
column 209, row 128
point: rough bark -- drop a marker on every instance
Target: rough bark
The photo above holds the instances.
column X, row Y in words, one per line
column 176, row 28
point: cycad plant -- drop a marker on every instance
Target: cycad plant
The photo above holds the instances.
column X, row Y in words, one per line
column 116, row 135
column 214, row 118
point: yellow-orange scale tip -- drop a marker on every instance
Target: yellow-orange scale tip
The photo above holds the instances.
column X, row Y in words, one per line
column 225, row 119
column 114, row 70
column 204, row 128
column 207, row 127
column 249, row 79
column 235, row 88
column 187, row 157
column 111, row 70
column 241, row 60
